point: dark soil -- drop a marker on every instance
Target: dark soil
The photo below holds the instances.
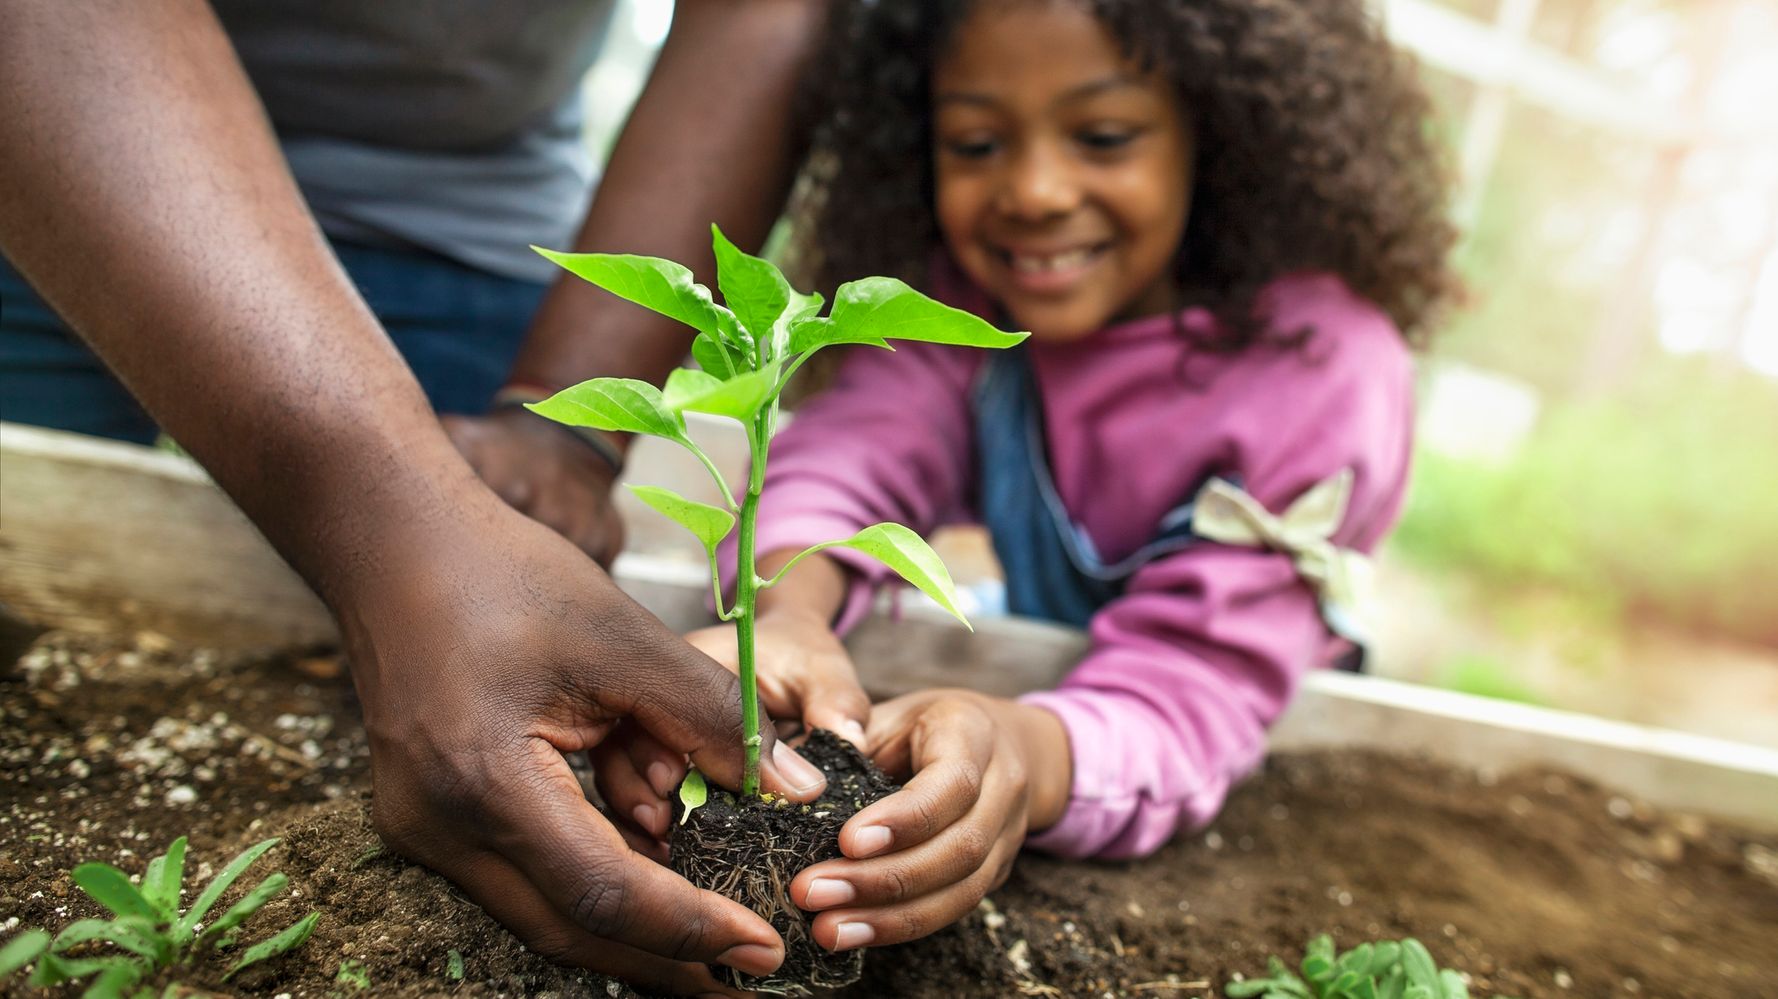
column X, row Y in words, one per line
column 749, row 850
column 1534, row 884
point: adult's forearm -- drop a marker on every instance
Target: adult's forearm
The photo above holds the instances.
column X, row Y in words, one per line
column 710, row 141
column 143, row 195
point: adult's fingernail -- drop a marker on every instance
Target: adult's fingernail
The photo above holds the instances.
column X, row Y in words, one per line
column 851, row 935
column 648, row 817
column 852, row 732
column 827, row 892
column 753, row 959
column 802, row 775
column 871, row 840
column 660, row 777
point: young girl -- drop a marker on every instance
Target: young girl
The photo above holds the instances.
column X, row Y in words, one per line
column 1220, row 220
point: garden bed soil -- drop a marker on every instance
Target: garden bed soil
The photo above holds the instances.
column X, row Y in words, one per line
column 1535, row 884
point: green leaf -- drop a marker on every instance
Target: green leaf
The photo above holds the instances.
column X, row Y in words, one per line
column 739, row 397
column 352, row 973
column 1420, row 968
column 1418, row 992
column 621, row 404
column 1322, row 946
column 113, row 981
column 160, row 885
column 1248, row 988
column 1454, row 986
column 454, row 965
column 908, row 554
column 1357, row 960
column 53, row 969
column 1386, row 955
column 1317, row 968
column 816, row 333
column 653, row 283
column 22, row 950
column 718, row 358
column 753, row 288
column 134, row 934
column 1346, row 981
column 220, row 884
column 111, row 888
column 708, row 523
column 1393, row 983
column 693, row 792
column 290, row 938
column 882, row 308
column 247, row 906
column 1366, row 988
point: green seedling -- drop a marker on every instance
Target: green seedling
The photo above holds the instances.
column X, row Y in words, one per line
column 353, row 975
column 148, row 928
column 1383, row 970
column 747, row 349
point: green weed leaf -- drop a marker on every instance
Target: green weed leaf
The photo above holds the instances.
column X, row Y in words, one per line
column 454, row 965
column 113, row 981
column 352, row 973
column 1421, row 970
column 621, row 404
column 250, row 903
column 220, row 884
column 134, row 934
column 1385, row 955
column 910, row 556
column 22, row 950
column 881, row 308
column 693, row 792
column 291, row 936
column 160, row 884
column 708, row 523
column 653, row 283
column 53, row 969
column 739, row 397
column 1454, row 986
column 111, row 888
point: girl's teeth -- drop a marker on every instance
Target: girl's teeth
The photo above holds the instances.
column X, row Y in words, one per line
column 1061, row 261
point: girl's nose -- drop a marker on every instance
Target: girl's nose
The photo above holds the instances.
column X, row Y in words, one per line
column 1038, row 184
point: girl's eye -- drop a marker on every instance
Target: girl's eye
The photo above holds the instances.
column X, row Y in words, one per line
column 971, row 148
column 1105, row 139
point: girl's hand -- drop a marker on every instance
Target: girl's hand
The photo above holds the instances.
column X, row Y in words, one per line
column 984, row 771
column 802, row 669
column 803, row 672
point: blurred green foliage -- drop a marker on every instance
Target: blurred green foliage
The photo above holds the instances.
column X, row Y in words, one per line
column 1658, row 504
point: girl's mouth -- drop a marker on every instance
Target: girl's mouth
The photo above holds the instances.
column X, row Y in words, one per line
column 1049, row 272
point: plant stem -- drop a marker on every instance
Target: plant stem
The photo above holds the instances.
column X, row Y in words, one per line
column 746, row 600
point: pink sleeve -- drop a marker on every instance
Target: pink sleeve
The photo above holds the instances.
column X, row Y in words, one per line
column 1207, row 646
column 889, row 440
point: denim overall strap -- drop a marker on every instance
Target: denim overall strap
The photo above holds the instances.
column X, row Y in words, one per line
column 1052, row 569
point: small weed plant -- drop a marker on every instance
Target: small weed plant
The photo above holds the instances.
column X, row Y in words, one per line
column 1384, row 970
column 148, row 931
column 747, row 349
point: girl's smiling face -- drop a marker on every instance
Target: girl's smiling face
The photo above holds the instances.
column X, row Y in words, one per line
column 1062, row 170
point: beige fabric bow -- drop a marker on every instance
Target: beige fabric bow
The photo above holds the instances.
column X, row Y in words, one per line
column 1340, row 577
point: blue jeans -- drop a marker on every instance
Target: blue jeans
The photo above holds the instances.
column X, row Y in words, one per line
column 458, row 328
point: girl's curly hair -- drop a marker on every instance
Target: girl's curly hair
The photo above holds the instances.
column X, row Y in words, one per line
column 1312, row 151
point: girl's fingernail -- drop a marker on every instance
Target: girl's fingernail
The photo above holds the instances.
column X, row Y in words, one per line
column 871, row 840
column 660, row 777
column 648, row 817
column 851, row 935
column 852, row 732
column 828, row 892
column 803, row 776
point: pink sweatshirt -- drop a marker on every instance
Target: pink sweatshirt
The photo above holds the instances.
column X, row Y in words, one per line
column 1204, row 649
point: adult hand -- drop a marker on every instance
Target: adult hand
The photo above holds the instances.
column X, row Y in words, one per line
column 539, row 469
column 484, row 648
column 984, row 770
column 803, row 673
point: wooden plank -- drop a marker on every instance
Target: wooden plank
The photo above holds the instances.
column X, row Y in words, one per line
column 96, row 536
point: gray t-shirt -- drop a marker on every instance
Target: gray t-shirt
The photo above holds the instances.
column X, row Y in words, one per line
column 451, row 125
